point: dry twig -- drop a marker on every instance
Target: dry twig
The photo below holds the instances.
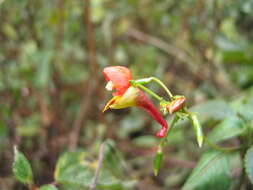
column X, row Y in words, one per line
column 167, row 48
column 100, row 160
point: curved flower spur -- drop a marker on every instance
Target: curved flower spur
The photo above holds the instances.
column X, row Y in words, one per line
column 118, row 78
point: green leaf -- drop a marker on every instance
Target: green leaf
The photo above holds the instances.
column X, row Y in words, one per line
column 244, row 106
column 114, row 168
column 71, row 168
column 106, row 180
column 228, row 128
column 213, row 109
column 67, row 159
column 47, row 187
column 22, row 168
column 212, row 172
column 248, row 163
column 112, row 182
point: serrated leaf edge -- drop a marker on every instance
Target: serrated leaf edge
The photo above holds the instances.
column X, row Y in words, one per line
column 246, row 163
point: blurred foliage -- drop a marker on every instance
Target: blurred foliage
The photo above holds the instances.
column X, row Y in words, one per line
column 48, row 86
column 249, row 163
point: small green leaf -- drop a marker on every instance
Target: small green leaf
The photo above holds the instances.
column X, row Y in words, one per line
column 212, row 172
column 248, row 163
column 197, row 129
column 22, row 168
column 48, row 187
column 158, row 160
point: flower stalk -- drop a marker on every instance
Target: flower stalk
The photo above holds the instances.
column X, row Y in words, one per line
column 153, row 79
column 150, row 92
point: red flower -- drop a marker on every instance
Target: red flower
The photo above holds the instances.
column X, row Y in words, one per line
column 118, row 79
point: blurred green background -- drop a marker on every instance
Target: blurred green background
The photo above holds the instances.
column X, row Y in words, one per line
column 52, row 53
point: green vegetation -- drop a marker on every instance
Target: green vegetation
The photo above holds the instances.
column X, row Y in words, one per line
column 52, row 94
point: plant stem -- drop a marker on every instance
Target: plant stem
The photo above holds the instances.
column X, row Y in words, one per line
column 154, row 79
column 159, row 153
column 159, row 98
column 172, row 125
column 97, row 172
column 163, row 86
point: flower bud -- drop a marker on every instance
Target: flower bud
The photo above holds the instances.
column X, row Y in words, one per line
column 176, row 104
column 197, row 129
column 158, row 160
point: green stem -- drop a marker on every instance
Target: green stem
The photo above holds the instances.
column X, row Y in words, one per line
column 159, row 154
column 159, row 98
column 172, row 125
column 154, row 79
column 163, row 86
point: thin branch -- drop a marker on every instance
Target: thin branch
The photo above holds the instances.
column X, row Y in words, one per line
column 100, row 161
column 180, row 55
column 167, row 48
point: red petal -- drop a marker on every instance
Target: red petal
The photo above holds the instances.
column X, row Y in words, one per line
column 120, row 77
column 144, row 102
